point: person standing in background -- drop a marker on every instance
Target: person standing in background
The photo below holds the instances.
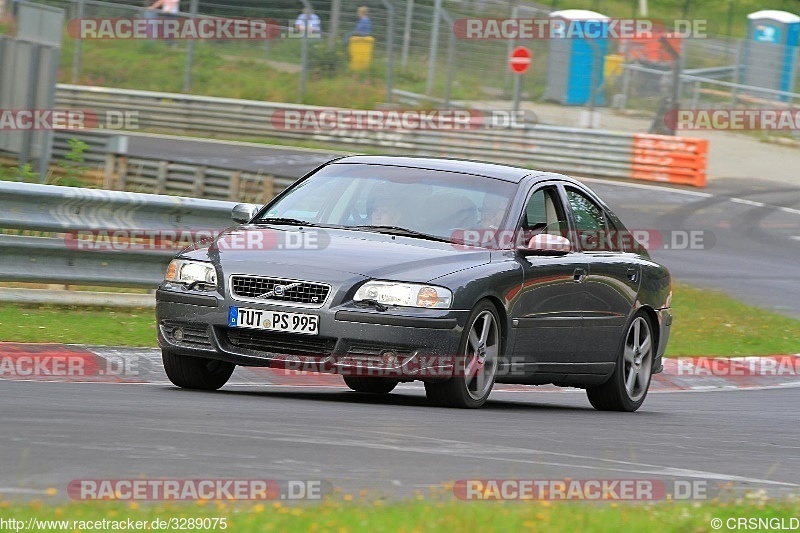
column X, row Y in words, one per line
column 364, row 26
column 150, row 15
column 169, row 10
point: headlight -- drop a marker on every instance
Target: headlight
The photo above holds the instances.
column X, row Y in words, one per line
column 183, row 271
column 405, row 294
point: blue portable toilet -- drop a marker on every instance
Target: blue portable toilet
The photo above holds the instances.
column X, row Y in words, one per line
column 771, row 49
column 576, row 56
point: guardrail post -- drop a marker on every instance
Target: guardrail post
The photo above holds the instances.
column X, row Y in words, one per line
column 161, row 178
column 269, row 187
column 116, row 148
column 122, row 173
column 199, row 181
column 235, row 186
column 108, row 171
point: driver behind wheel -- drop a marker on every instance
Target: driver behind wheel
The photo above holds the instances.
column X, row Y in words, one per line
column 384, row 211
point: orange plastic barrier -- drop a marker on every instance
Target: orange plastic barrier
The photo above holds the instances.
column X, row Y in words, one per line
column 669, row 159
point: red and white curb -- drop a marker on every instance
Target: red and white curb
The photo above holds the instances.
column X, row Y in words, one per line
column 88, row 364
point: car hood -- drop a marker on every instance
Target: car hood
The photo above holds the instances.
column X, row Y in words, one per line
column 332, row 255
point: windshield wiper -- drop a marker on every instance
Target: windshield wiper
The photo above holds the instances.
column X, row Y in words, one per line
column 397, row 230
column 284, row 221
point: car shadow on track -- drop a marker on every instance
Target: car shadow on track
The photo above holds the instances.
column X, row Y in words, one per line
column 401, row 399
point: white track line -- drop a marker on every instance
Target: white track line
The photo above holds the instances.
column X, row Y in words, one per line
column 498, row 453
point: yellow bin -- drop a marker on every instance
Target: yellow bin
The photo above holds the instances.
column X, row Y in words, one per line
column 360, row 52
column 613, row 65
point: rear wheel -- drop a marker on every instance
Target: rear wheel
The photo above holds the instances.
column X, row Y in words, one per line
column 371, row 385
column 628, row 385
column 481, row 348
column 196, row 372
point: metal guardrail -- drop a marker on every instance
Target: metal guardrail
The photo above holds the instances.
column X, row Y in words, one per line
column 159, row 176
column 577, row 151
column 60, row 257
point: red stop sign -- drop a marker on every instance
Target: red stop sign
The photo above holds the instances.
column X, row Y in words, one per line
column 520, row 59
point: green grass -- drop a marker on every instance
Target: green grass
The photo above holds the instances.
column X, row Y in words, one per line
column 249, row 70
column 75, row 325
column 218, row 70
column 712, row 323
column 706, row 323
column 422, row 515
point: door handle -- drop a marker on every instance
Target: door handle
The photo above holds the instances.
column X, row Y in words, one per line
column 633, row 273
column 579, row 275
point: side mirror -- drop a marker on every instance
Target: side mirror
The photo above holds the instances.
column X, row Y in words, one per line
column 546, row 244
column 244, row 213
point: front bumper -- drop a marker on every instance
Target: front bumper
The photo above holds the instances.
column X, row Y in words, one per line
column 404, row 343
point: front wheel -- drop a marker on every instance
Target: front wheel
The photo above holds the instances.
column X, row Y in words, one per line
column 481, row 349
column 371, row 385
column 628, row 385
column 196, row 372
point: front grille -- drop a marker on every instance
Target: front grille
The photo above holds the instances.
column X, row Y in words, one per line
column 194, row 336
column 281, row 343
column 280, row 290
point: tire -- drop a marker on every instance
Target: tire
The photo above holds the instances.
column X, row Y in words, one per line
column 627, row 387
column 370, row 385
column 481, row 346
column 196, row 372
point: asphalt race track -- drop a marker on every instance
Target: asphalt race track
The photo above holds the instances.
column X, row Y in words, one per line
column 750, row 230
column 53, row 433
column 395, row 445
column 269, row 159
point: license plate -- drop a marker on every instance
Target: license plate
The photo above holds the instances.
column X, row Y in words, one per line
column 239, row 317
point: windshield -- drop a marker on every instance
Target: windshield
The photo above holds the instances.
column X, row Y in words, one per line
column 374, row 197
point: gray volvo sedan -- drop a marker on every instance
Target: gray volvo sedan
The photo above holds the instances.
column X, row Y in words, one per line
column 459, row 274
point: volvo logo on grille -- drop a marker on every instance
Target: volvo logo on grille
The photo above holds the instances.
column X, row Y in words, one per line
column 279, row 290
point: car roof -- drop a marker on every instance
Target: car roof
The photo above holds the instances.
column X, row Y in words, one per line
column 463, row 166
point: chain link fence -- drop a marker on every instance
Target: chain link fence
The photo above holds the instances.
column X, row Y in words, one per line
column 416, row 58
